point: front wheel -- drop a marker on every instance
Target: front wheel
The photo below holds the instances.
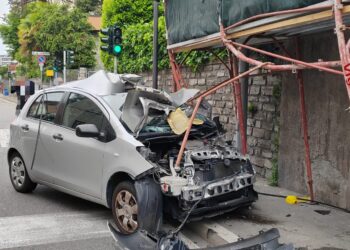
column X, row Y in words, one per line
column 19, row 176
column 125, row 207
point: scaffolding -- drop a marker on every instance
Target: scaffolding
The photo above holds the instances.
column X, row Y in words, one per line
column 273, row 27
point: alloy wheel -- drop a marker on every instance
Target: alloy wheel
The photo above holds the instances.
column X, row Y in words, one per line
column 17, row 171
column 126, row 211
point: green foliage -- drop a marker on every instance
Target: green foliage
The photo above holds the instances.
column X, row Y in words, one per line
column 127, row 12
column 252, row 108
column 88, row 6
column 138, row 49
column 276, row 93
column 274, row 173
column 48, row 27
column 3, row 71
column 136, row 20
column 8, row 31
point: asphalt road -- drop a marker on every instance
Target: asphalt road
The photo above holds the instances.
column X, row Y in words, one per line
column 46, row 219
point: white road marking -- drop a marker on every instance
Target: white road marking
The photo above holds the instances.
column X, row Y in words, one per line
column 4, row 138
column 29, row 230
column 223, row 232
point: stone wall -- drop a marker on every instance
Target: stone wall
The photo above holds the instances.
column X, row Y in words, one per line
column 263, row 121
column 262, row 124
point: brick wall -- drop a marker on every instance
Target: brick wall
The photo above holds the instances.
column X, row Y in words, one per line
column 262, row 124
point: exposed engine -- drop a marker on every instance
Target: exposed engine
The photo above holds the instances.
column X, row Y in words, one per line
column 209, row 168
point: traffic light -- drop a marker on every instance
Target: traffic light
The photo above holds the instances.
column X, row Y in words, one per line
column 117, row 40
column 70, row 57
column 58, row 65
column 107, row 42
column 112, row 40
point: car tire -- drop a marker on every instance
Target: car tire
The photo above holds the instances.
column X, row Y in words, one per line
column 125, row 207
column 19, row 176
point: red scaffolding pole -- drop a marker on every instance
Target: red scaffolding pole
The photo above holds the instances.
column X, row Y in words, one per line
column 303, row 115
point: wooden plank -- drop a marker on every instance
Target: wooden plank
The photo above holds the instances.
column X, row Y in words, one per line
column 215, row 40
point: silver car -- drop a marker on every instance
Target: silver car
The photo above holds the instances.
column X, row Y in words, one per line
column 110, row 140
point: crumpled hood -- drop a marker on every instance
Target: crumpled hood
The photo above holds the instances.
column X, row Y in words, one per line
column 143, row 103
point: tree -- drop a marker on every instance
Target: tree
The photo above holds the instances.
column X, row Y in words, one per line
column 3, row 71
column 135, row 17
column 53, row 28
column 88, row 6
column 9, row 30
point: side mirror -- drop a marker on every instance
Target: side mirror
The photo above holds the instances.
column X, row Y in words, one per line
column 87, row 130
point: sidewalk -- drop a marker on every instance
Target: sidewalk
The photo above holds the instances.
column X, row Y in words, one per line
column 301, row 224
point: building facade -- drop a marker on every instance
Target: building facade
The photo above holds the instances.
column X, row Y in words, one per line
column 5, row 60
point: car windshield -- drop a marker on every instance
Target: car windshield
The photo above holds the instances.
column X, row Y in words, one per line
column 157, row 120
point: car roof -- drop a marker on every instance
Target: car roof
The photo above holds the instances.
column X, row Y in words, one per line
column 102, row 83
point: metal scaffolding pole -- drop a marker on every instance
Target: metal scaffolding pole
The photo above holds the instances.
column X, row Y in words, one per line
column 303, row 114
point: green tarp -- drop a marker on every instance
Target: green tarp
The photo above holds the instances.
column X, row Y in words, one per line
column 189, row 19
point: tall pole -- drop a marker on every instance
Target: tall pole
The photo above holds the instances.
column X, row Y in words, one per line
column 304, row 124
column 64, row 66
column 155, row 44
column 115, row 65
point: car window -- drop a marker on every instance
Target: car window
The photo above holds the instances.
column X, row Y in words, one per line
column 81, row 110
column 33, row 109
column 47, row 108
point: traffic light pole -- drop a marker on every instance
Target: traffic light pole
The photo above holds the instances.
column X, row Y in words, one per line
column 64, row 66
column 115, row 65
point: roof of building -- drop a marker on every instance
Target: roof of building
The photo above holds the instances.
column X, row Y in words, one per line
column 96, row 22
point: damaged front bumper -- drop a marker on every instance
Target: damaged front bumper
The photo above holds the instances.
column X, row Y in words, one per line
column 217, row 188
column 214, row 206
column 141, row 240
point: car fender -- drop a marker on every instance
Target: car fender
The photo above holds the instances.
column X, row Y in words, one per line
column 121, row 156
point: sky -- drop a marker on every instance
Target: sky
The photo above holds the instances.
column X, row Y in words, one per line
column 4, row 8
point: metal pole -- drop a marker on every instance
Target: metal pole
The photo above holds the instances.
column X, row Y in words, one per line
column 343, row 50
column 155, row 44
column 304, row 125
column 243, row 67
column 64, row 66
column 41, row 77
column 115, row 65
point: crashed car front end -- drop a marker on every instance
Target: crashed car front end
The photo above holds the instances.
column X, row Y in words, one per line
column 212, row 175
column 218, row 179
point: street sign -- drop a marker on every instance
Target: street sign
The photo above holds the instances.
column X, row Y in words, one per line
column 40, row 53
column 41, row 59
column 50, row 72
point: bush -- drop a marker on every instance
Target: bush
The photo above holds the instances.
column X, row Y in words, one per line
column 136, row 20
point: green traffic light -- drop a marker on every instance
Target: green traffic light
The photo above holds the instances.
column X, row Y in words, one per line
column 117, row 49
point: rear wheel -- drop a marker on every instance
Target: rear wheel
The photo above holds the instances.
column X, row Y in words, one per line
column 125, row 207
column 19, row 176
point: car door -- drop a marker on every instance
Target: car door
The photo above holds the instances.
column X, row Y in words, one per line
column 43, row 114
column 79, row 161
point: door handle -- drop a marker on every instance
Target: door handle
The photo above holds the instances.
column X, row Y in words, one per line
column 58, row 137
column 25, row 128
